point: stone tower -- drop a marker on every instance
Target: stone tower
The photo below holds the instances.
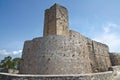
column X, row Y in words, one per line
column 56, row 21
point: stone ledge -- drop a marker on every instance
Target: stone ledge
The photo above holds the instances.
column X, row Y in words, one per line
column 95, row 76
column 89, row 74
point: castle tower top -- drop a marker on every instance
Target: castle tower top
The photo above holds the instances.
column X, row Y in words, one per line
column 56, row 21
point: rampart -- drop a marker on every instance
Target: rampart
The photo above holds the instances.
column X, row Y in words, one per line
column 98, row 53
column 55, row 55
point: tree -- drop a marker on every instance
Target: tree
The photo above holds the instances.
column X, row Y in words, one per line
column 16, row 63
column 7, row 62
column 10, row 63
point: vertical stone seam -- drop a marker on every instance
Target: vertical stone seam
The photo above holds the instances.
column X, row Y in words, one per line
column 94, row 56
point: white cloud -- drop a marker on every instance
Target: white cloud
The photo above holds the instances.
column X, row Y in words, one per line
column 17, row 52
column 110, row 36
column 107, row 28
column 5, row 52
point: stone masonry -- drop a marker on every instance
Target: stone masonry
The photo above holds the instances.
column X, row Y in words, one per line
column 95, row 76
column 55, row 55
column 56, row 21
column 98, row 53
column 115, row 58
column 63, row 51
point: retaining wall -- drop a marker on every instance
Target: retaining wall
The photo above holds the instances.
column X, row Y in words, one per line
column 96, row 76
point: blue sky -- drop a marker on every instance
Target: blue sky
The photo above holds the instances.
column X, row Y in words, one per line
column 22, row 20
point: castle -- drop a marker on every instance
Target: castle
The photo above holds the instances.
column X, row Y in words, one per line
column 64, row 51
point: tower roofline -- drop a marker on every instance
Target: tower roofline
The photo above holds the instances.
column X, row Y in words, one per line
column 56, row 4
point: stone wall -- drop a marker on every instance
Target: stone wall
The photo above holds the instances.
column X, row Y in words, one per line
column 4, row 70
column 97, row 76
column 64, row 55
column 50, row 21
column 98, row 52
column 55, row 55
column 74, row 34
column 56, row 21
column 100, row 57
column 115, row 58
